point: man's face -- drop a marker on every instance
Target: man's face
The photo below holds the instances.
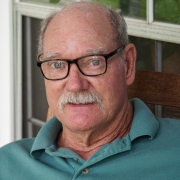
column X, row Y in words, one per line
column 74, row 34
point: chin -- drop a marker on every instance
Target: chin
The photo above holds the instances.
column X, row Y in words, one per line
column 82, row 122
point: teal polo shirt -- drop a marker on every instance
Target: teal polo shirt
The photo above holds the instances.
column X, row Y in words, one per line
column 151, row 151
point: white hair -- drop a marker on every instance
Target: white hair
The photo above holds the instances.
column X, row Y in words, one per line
column 79, row 98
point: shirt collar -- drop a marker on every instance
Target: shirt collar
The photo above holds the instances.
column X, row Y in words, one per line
column 46, row 136
column 144, row 122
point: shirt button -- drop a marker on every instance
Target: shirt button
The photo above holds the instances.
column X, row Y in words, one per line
column 85, row 171
column 75, row 159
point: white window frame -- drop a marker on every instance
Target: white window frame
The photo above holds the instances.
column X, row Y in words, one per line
column 146, row 29
column 6, row 73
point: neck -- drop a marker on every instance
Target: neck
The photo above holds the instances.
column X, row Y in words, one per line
column 86, row 144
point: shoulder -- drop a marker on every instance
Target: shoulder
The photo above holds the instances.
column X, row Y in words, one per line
column 17, row 147
column 15, row 158
column 170, row 124
column 169, row 130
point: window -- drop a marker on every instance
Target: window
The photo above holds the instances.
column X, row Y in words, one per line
column 42, row 1
column 34, row 101
column 153, row 26
column 167, row 11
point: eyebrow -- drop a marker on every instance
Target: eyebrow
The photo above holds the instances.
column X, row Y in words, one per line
column 99, row 50
column 51, row 54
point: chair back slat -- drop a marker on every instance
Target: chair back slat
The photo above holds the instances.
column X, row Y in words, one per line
column 156, row 88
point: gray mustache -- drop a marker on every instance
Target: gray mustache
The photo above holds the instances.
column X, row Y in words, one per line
column 79, row 98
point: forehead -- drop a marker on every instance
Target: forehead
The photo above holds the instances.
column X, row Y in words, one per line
column 84, row 26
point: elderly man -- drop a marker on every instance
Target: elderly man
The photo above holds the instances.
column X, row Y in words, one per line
column 96, row 133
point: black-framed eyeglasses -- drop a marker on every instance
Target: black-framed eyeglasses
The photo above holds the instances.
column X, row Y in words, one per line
column 91, row 65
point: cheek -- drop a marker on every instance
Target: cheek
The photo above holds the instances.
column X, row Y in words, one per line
column 113, row 87
column 52, row 93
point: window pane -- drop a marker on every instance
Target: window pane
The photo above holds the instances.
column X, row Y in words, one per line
column 130, row 8
column 34, row 96
column 133, row 8
column 114, row 3
column 171, row 57
column 167, row 11
column 42, row 1
column 171, row 64
column 171, row 112
column 35, row 130
column 145, row 53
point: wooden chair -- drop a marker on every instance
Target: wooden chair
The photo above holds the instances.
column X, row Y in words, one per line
column 156, row 88
column 153, row 88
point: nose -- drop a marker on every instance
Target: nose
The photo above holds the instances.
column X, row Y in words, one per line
column 76, row 81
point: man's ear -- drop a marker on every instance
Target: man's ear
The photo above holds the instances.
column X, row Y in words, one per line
column 130, row 63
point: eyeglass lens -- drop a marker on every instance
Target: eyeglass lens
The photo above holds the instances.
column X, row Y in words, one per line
column 58, row 69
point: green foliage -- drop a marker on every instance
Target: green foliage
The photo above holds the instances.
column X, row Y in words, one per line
column 54, row 1
column 133, row 8
column 114, row 3
column 167, row 11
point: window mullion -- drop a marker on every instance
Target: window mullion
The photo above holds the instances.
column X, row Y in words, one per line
column 150, row 11
column 29, row 72
column 158, row 65
column 158, row 68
